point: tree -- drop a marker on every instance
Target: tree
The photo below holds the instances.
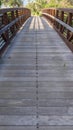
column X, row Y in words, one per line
column 60, row 3
column 66, row 3
column 37, row 5
column 13, row 3
column 5, row 2
column 0, row 3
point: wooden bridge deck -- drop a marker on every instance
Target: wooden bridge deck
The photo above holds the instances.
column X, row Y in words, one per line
column 36, row 80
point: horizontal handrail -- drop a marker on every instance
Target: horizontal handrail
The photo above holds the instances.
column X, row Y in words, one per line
column 68, row 10
column 10, row 25
column 11, row 9
column 11, row 20
column 62, row 21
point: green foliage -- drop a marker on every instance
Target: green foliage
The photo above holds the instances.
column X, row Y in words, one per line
column 37, row 5
column 52, row 3
column 60, row 3
column 65, row 3
column 0, row 3
column 13, row 3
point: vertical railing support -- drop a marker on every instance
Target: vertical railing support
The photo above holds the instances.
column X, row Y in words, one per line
column 12, row 20
column 62, row 20
column 69, row 23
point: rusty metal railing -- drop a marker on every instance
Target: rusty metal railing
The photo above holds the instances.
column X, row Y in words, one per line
column 10, row 21
column 62, row 21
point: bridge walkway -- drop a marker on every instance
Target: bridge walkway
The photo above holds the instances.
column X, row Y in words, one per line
column 36, row 80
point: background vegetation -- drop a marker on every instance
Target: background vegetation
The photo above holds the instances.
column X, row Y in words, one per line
column 11, row 3
column 37, row 5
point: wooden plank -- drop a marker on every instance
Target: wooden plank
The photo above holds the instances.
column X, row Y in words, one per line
column 18, row 128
